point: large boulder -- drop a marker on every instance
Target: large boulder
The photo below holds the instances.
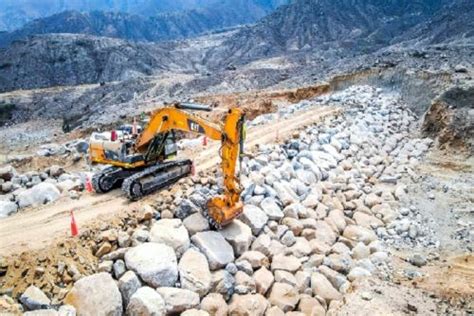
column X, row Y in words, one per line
column 171, row 232
column 33, row 298
column 178, row 300
column 194, row 273
column 217, row 250
column 38, row 195
column 238, row 235
column 7, row 208
column 97, row 292
column 155, row 263
column 146, row 302
column 255, row 217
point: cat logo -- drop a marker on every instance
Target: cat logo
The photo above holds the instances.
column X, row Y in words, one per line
column 195, row 127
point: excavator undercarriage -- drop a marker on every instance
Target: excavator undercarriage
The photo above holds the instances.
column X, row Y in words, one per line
column 143, row 163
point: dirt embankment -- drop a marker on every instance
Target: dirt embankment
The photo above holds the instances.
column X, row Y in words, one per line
column 450, row 119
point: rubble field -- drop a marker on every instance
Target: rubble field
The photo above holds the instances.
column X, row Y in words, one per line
column 359, row 213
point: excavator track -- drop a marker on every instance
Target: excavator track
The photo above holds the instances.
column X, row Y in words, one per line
column 155, row 178
column 110, row 178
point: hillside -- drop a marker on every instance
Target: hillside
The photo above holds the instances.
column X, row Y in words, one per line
column 342, row 28
column 15, row 14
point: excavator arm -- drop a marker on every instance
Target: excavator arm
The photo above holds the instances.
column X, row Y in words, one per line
column 223, row 208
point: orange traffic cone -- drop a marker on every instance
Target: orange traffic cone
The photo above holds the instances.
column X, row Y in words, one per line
column 204, row 141
column 89, row 184
column 74, row 230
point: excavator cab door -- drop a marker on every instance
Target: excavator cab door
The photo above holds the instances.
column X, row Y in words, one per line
column 162, row 147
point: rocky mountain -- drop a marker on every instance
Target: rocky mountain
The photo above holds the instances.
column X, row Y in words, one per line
column 341, row 27
column 70, row 59
column 15, row 14
column 141, row 28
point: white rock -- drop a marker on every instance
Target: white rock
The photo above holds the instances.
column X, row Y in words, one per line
column 97, row 292
column 155, row 263
column 194, row 273
column 147, row 302
column 255, row 217
column 271, row 208
column 7, row 208
column 196, row 223
column 217, row 250
column 38, row 195
column 178, row 300
column 171, row 232
column 357, row 273
column 239, row 235
column 34, row 298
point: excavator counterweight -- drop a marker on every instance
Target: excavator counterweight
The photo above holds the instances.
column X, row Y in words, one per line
column 143, row 163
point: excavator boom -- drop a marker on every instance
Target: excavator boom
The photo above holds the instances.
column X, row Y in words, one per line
column 147, row 170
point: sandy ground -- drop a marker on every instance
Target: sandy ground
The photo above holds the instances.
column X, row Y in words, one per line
column 37, row 228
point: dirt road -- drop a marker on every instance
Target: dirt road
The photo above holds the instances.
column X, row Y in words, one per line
column 36, row 228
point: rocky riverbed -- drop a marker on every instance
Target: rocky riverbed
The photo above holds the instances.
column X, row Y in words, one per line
column 322, row 211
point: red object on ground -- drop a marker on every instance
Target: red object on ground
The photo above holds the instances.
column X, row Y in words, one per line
column 113, row 136
column 204, row 141
column 74, row 230
column 88, row 185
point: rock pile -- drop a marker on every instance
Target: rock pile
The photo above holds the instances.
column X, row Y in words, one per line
column 314, row 211
column 35, row 188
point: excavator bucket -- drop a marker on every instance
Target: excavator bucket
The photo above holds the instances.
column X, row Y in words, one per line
column 220, row 213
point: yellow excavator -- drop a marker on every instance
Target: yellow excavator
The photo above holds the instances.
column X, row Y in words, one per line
column 142, row 163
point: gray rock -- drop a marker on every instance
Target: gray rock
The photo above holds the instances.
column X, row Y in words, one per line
column 194, row 273
column 178, row 300
column 119, row 268
column 155, row 263
column 147, row 302
column 171, row 232
column 7, row 208
column 38, row 195
column 97, row 292
column 128, row 284
column 33, row 298
column 217, row 250
column 196, row 223
column 255, row 217
column 271, row 208
column 223, row 282
column 239, row 235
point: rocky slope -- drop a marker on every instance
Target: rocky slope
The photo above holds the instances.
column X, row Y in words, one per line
column 170, row 18
column 346, row 28
column 68, row 59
